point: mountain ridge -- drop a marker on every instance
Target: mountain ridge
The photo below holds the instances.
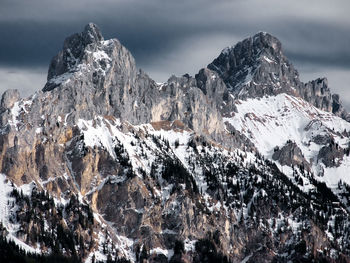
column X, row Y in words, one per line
column 176, row 171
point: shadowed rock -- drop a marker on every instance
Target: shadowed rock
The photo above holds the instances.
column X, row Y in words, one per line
column 291, row 155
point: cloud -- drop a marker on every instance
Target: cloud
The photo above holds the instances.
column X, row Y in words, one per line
column 189, row 56
column 27, row 81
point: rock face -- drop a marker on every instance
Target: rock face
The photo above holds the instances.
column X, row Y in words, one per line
column 331, row 154
column 100, row 78
column 128, row 168
column 213, row 87
column 256, row 67
column 73, row 51
column 290, row 154
column 318, row 93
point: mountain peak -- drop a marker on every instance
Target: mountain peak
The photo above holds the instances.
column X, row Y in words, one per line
column 73, row 50
column 257, row 60
column 88, row 56
column 256, row 67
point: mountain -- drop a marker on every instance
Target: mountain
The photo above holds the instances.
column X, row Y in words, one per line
column 242, row 162
column 257, row 67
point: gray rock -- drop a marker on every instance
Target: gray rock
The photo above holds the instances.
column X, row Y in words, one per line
column 91, row 77
column 331, row 154
column 100, row 78
column 318, row 93
column 215, row 89
column 72, row 52
column 291, row 155
column 9, row 97
column 256, row 67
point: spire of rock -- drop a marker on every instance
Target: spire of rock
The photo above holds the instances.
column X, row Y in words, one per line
column 72, row 52
column 318, row 93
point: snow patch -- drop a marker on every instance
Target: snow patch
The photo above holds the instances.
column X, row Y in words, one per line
column 166, row 252
column 272, row 121
column 6, row 187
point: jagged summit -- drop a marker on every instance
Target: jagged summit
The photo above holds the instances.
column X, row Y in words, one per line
column 256, row 66
column 73, row 50
column 101, row 78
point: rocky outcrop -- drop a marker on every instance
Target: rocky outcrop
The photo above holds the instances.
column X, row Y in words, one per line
column 331, row 154
column 291, row 155
column 318, row 93
column 214, row 88
column 256, row 67
column 8, row 99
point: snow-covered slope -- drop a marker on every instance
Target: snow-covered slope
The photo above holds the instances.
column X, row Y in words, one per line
column 272, row 121
column 8, row 209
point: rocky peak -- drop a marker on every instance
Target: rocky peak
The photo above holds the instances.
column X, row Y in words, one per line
column 76, row 43
column 73, row 51
column 88, row 66
column 91, row 77
column 318, row 93
column 248, row 51
column 256, row 67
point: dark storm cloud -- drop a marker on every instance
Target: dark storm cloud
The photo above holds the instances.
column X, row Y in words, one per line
column 150, row 28
column 317, row 43
column 176, row 36
column 145, row 30
column 26, row 43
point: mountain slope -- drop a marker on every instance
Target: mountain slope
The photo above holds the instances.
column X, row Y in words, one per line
column 114, row 166
column 271, row 122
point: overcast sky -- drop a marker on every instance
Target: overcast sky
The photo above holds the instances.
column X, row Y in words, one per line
column 176, row 36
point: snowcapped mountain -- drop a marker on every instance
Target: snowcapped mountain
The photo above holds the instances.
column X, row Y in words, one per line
column 257, row 67
column 241, row 163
